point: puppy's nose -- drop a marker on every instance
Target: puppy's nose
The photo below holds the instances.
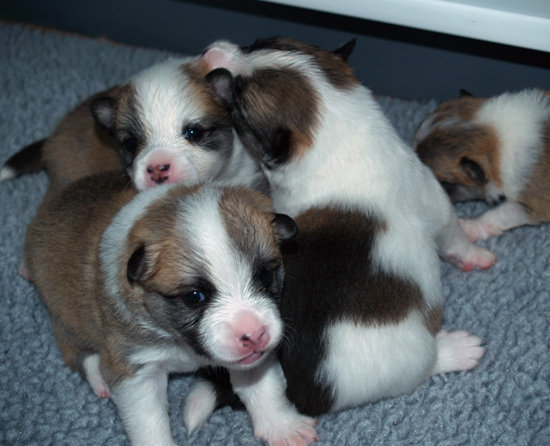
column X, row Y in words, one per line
column 159, row 173
column 257, row 338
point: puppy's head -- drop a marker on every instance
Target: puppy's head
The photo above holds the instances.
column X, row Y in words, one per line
column 462, row 153
column 276, row 89
column 200, row 267
column 169, row 125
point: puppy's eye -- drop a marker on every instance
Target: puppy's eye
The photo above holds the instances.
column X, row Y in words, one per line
column 266, row 277
column 193, row 133
column 130, row 144
column 195, row 297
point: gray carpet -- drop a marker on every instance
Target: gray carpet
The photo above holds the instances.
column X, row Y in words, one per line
column 505, row 401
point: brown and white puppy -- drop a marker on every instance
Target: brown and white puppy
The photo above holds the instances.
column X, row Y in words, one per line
column 492, row 149
column 362, row 292
column 164, row 125
column 168, row 280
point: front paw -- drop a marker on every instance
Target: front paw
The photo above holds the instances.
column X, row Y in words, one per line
column 297, row 430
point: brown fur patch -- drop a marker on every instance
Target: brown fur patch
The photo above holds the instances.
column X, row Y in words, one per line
column 338, row 72
column 334, row 255
column 281, row 107
column 215, row 113
column 462, row 109
column 446, row 146
column 432, row 319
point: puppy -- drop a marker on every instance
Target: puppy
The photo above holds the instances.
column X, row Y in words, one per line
column 164, row 125
column 168, row 280
column 362, row 293
column 495, row 149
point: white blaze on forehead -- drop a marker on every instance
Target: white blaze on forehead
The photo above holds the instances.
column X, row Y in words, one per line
column 205, row 230
column 164, row 101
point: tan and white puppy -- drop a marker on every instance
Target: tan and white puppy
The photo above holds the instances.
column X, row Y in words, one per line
column 362, row 292
column 493, row 149
column 164, row 125
column 167, row 280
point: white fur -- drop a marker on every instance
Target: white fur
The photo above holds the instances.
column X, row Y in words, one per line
column 518, row 119
column 369, row 362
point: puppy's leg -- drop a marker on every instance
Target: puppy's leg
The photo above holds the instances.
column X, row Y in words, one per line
column 94, row 376
column 274, row 418
column 452, row 243
column 200, row 403
column 142, row 403
column 456, row 351
column 495, row 221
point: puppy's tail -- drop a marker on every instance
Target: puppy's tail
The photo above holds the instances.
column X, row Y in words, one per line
column 210, row 392
column 27, row 160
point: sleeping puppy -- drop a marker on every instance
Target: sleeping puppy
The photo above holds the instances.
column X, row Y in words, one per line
column 164, row 125
column 495, row 149
column 169, row 280
column 362, row 294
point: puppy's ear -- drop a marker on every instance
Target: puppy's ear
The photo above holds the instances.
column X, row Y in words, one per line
column 474, row 171
column 465, row 93
column 104, row 112
column 223, row 84
column 344, row 50
column 137, row 265
column 285, row 228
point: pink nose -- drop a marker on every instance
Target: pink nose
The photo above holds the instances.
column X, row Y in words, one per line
column 254, row 341
column 159, row 173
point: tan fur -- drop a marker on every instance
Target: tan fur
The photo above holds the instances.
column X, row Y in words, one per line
column 442, row 151
column 95, row 152
column 62, row 257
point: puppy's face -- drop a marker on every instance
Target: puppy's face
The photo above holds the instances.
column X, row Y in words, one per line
column 207, row 273
column 169, row 125
column 271, row 84
column 462, row 154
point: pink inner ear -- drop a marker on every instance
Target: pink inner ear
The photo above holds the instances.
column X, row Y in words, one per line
column 216, row 58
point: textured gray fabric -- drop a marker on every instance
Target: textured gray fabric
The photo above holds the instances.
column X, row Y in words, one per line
column 505, row 401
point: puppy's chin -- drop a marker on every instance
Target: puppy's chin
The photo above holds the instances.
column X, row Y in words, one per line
column 249, row 362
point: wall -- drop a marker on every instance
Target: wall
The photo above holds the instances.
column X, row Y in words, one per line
column 391, row 60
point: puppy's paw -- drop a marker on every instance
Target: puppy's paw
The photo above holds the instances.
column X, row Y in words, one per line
column 457, row 350
column 297, row 430
column 475, row 258
column 476, row 230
